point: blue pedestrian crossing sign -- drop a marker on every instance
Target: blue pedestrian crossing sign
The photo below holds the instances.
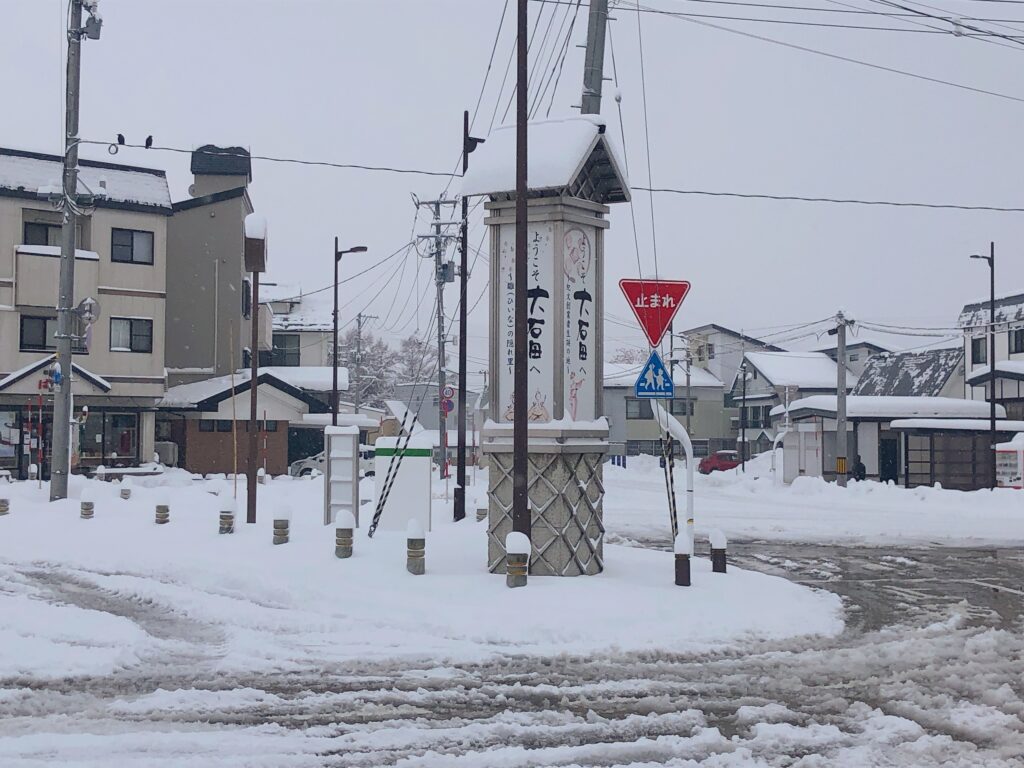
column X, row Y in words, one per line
column 655, row 381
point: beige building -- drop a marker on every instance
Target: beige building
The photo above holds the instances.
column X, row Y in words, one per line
column 121, row 263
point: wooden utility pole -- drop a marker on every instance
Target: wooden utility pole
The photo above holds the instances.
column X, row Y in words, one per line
column 841, row 441
column 254, row 362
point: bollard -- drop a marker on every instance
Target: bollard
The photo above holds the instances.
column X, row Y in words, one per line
column 261, row 476
column 33, row 471
column 718, row 544
column 282, row 525
column 416, row 561
column 5, row 506
column 346, row 523
column 163, row 508
column 481, row 514
column 88, row 505
column 227, row 515
column 101, row 472
column 517, row 559
column 683, row 550
column 126, row 488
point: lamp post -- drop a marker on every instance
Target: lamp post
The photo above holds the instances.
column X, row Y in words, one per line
column 334, row 374
column 991, row 259
column 743, row 418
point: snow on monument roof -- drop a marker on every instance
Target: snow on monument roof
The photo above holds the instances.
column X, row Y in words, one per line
column 30, row 172
column 557, row 153
column 880, row 407
column 806, row 370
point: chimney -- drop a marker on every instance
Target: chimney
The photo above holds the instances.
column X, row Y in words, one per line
column 217, row 169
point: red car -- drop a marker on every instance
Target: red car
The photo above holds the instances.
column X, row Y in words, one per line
column 719, row 461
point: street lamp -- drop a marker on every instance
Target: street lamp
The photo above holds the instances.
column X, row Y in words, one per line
column 991, row 259
column 334, row 380
column 743, row 418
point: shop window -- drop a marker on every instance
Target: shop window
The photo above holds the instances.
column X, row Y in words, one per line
column 207, row 425
column 122, row 439
column 10, row 439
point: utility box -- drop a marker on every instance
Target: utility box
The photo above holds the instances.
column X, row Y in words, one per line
column 341, row 472
column 410, row 473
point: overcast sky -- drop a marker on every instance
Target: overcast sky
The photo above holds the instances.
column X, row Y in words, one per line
column 384, row 82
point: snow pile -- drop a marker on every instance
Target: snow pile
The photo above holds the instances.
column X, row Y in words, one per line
column 88, row 596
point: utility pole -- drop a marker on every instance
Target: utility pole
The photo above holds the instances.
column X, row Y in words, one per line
column 841, row 441
column 521, row 521
column 357, row 396
column 61, row 447
column 991, row 259
column 743, row 417
column 593, row 64
column 468, row 145
column 689, row 402
column 443, row 273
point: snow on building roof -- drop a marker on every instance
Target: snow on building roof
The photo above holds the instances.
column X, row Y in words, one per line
column 312, row 378
column 1009, row 309
column 894, row 407
column 55, row 250
column 626, row 374
column 701, row 330
column 360, row 420
column 909, row 374
column 560, row 154
column 304, row 379
column 804, row 370
column 25, row 174
column 957, row 425
column 273, row 291
column 1010, row 369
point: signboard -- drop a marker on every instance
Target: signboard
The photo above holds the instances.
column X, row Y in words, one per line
column 447, row 406
column 540, row 322
column 447, row 392
column 654, row 381
column 655, row 303
column 580, row 344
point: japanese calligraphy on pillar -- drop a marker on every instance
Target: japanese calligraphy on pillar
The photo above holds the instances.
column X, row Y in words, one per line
column 540, row 322
column 580, row 350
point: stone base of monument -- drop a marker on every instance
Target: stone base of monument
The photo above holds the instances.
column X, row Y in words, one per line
column 566, row 496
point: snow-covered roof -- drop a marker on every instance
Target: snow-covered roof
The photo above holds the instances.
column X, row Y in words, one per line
column 574, row 154
column 309, row 379
column 24, row 174
column 273, row 291
column 1011, row 369
column 881, row 407
column 805, row 370
column 361, row 420
column 15, row 376
column 626, row 374
column 1009, row 309
column 909, row 374
column 312, row 378
column 187, row 395
column 958, row 425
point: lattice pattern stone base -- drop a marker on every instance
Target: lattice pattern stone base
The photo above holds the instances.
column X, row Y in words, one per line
column 566, row 493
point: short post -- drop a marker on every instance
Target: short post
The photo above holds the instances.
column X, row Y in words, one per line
column 163, row 508
column 517, row 559
column 5, row 506
column 126, row 488
column 282, row 525
column 416, row 561
column 101, row 473
column 227, row 515
column 718, row 544
column 683, row 550
column 88, row 506
column 346, row 523
column 481, row 514
column 33, row 471
column 261, row 476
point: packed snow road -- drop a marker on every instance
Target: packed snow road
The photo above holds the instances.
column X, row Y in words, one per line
column 930, row 671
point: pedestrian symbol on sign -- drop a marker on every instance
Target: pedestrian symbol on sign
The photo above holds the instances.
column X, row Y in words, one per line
column 654, row 381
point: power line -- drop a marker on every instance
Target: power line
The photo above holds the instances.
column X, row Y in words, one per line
column 839, row 201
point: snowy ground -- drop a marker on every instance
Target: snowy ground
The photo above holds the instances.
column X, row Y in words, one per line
column 130, row 644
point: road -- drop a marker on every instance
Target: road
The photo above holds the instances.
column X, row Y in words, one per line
column 930, row 671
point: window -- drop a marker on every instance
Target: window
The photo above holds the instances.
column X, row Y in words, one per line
column 854, row 357
column 37, row 333
column 679, row 407
column 223, row 425
column 246, row 299
column 979, row 351
column 286, row 349
column 711, row 351
column 122, row 437
column 638, row 409
column 39, row 233
column 131, row 246
column 270, row 426
column 1017, row 341
column 206, row 425
column 131, row 335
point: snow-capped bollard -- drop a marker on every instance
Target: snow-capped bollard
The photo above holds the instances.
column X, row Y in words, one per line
column 481, row 514
column 282, row 524
column 261, row 476
column 227, row 515
column 88, row 506
column 416, row 555
column 163, row 508
column 718, row 544
column 126, row 488
column 101, row 473
column 683, row 550
column 33, row 471
column 5, row 506
column 517, row 559
column 346, row 523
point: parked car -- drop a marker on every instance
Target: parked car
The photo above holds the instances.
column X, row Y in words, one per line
column 304, row 467
column 719, row 461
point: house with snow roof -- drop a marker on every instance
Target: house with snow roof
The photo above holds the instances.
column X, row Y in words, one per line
column 121, row 262
column 924, row 373
column 1007, row 382
column 302, row 325
column 859, row 352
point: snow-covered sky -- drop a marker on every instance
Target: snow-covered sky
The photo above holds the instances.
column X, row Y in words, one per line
column 384, row 82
